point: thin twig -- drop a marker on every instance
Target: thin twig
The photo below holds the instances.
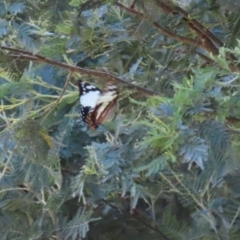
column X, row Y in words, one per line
column 163, row 30
column 138, row 219
column 47, row 111
column 194, row 24
column 204, row 57
column 25, row 55
column 205, row 40
column 199, row 26
column 6, row 165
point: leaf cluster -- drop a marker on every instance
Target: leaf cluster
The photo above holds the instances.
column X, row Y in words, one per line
column 166, row 167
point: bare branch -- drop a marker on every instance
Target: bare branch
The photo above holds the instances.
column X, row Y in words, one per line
column 194, row 42
column 25, row 55
column 205, row 40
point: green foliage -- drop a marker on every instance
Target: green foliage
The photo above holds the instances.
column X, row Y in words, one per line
column 166, row 167
column 79, row 225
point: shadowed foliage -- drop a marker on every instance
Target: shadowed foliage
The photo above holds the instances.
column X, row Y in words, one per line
column 166, row 167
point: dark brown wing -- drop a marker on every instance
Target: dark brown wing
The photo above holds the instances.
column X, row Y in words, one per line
column 105, row 107
column 103, row 116
column 90, row 120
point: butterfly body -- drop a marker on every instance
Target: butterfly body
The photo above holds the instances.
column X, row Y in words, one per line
column 97, row 106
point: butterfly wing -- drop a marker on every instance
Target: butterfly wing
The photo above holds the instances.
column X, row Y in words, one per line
column 106, row 104
column 97, row 106
column 88, row 97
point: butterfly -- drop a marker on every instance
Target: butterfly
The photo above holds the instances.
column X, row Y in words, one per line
column 96, row 106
